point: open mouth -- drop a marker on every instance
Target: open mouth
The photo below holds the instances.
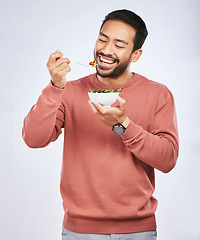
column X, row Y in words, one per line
column 105, row 62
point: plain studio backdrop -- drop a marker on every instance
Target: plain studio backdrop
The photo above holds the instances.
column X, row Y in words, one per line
column 30, row 202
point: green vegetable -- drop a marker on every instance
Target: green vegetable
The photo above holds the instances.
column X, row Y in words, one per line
column 109, row 90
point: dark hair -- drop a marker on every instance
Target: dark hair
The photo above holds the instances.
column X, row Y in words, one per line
column 134, row 21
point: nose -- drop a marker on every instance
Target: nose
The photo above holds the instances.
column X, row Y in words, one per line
column 108, row 48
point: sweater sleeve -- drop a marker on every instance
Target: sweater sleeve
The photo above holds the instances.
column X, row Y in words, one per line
column 159, row 147
column 43, row 123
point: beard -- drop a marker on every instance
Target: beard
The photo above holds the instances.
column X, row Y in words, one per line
column 112, row 73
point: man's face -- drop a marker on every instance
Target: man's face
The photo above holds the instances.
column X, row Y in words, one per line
column 113, row 49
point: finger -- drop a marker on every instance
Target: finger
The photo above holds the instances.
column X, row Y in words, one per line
column 122, row 103
column 66, row 70
column 62, row 70
column 100, row 108
column 54, row 56
column 61, row 61
column 58, row 51
column 62, row 67
column 92, row 107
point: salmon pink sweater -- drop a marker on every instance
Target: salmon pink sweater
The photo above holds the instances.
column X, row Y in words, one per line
column 107, row 180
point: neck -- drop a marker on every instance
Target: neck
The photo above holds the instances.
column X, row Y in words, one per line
column 122, row 79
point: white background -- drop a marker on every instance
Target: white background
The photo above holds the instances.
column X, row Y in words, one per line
column 30, row 202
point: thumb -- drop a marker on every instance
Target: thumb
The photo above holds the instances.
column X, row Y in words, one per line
column 122, row 103
column 58, row 51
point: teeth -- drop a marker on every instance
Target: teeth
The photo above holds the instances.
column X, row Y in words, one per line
column 106, row 60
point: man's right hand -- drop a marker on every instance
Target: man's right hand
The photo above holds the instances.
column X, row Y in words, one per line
column 58, row 68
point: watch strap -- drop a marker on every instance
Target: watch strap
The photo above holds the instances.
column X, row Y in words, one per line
column 126, row 122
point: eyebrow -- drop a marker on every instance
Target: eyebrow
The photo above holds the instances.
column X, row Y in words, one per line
column 118, row 40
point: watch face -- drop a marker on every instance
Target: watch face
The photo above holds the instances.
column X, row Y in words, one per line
column 119, row 129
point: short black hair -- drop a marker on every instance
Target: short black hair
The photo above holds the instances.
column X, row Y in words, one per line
column 132, row 19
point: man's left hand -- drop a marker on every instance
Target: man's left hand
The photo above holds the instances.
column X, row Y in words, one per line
column 112, row 115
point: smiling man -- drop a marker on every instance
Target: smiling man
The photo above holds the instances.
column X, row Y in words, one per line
column 109, row 155
column 114, row 52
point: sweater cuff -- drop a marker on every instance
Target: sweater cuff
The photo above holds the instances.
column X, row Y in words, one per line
column 132, row 131
column 53, row 92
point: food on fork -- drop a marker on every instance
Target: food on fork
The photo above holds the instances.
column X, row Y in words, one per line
column 93, row 63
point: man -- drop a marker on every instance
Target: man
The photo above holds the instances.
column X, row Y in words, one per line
column 109, row 155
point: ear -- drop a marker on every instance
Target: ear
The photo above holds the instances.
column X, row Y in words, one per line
column 136, row 55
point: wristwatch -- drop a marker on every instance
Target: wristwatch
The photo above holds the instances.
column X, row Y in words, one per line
column 120, row 128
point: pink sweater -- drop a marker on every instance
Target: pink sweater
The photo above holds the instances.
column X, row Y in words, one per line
column 107, row 181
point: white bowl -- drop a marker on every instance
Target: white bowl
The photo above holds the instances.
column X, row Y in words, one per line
column 105, row 99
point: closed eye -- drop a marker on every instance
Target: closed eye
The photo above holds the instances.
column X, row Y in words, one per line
column 101, row 40
column 118, row 46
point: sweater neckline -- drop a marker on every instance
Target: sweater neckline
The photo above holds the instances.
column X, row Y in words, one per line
column 104, row 86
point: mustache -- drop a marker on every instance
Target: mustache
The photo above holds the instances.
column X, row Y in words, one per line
column 107, row 55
